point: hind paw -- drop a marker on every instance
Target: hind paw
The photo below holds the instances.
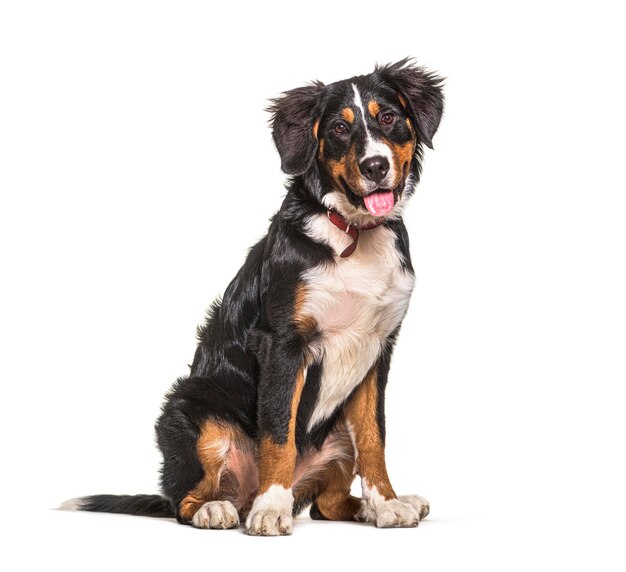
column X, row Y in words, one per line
column 217, row 515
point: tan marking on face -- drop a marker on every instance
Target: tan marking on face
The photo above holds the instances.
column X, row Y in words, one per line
column 361, row 413
column 305, row 324
column 347, row 168
column 410, row 126
column 321, row 151
column 316, row 126
column 277, row 462
column 402, row 100
column 212, row 448
column 347, row 114
column 374, row 108
column 402, row 155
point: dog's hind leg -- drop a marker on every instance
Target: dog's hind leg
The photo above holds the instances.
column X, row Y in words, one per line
column 197, row 475
column 208, row 457
column 229, row 479
column 324, row 479
column 335, row 501
column 202, row 506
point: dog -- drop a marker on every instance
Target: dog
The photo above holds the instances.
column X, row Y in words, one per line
column 284, row 403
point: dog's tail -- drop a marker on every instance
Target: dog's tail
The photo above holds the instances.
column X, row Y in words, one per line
column 140, row 505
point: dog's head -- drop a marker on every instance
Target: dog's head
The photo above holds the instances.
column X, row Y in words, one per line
column 360, row 137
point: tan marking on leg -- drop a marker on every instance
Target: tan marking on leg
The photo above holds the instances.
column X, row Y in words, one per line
column 330, row 487
column 374, row 108
column 327, row 476
column 335, row 501
column 277, row 462
column 361, row 413
column 212, row 448
column 339, row 506
column 305, row 324
column 347, row 114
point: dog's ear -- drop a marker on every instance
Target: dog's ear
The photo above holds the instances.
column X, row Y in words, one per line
column 420, row 93
column 295, row 117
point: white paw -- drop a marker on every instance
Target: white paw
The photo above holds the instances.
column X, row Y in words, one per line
column 269, row 523
column 216, row 514
column 270, row 514
column 391, row 513
column 420, row 504
column 400, row 512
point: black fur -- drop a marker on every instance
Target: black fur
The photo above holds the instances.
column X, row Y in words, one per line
column 140, row 505
column 293, row 118
column 249, row 349
column 422, row 91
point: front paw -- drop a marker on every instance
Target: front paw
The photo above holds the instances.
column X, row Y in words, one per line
column 401, row 512
column 391, row 513
column 271, row 513
column 420, row 504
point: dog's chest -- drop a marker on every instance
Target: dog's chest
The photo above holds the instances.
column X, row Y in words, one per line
column 356, row 303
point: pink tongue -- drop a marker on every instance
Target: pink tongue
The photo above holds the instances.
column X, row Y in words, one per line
column 379, row 203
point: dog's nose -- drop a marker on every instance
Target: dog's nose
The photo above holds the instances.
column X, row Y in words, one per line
column 374, row 168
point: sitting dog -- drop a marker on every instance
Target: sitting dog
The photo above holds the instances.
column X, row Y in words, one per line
column 284, row 403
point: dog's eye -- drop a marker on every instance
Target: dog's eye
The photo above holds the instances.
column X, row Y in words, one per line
column 340, row 128
column 387, row 118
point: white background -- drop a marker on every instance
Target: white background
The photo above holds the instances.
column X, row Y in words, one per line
column 136, row 169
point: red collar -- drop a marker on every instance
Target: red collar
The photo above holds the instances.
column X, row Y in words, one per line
column 350, row 229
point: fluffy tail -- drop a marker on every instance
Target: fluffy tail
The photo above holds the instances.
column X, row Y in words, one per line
column 141, row 505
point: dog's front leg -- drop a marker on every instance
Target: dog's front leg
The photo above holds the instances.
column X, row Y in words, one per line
column 365, row 418
column 282, row 380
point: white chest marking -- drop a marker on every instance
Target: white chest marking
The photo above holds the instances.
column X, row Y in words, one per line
column 357, row 303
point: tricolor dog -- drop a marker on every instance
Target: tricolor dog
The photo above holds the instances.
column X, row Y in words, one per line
column 284, row 403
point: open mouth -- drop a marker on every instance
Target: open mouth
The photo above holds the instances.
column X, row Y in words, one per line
column 379, row 202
